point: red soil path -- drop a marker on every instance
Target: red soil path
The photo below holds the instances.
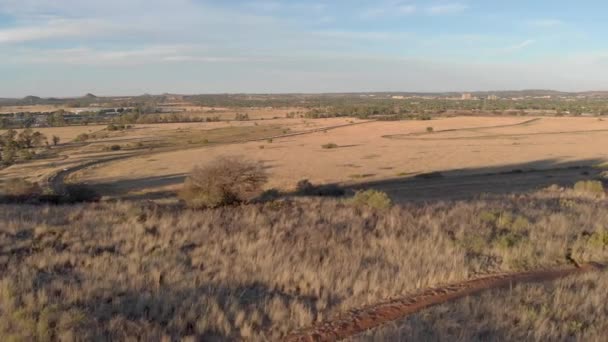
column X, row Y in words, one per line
column 358, row 321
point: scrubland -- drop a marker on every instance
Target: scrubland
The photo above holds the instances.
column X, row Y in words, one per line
column 256, row 272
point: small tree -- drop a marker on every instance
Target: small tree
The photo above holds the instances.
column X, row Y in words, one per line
column 226, row 181
column 56, row 140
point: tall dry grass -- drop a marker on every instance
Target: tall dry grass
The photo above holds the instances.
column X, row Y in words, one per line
column 573, row 309
column 255, row 272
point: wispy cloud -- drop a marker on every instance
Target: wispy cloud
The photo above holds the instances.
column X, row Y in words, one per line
column 55, row 29
column 448, row 8
column 153, row 54
column 363, row 35
column 518, row 47
column 392, row 8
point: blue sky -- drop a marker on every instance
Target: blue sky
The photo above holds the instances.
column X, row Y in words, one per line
column 114, row 47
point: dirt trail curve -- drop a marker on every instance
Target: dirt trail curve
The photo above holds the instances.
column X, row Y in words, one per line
column 56, row 180
column 415, row 134
column 358, row 321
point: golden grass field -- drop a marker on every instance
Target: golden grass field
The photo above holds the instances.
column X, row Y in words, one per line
column 257, row 272
column 378, row 151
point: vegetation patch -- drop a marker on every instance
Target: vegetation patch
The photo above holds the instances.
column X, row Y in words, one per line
column 590, row 187
column 226, row 181
column 361, row 176
column 371, row 198
column 329, row 146
column 23, row 191
column 306, row 188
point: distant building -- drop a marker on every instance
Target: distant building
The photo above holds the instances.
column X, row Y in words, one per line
column 493, row 97
column 466, row 96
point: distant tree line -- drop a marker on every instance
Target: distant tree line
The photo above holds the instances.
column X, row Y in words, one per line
column 21, row 146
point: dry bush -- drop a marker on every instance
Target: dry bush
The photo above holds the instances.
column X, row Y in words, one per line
column 306, row 188
column 372, row 198
column 329, row 146
column 120, row 271
column 20, row 189
column 573, row 309
column 225, row 181
column 590, row 187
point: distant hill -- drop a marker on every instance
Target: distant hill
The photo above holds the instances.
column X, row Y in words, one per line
column 31, row 99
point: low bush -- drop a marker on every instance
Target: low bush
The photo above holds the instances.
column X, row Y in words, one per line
column 19, row 190
column 590, row 187
column 23, row 191
column 306, row 188
column 82, row 137
column 227, row 181
column 77, row 192
column 429, row 129
column 372, row 198
column 329, row 146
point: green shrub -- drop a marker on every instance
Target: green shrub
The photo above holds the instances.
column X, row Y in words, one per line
column 599, row 239
column 372, row 198
column 329, row 146
column 509, row 239
column 590, row 187
column 488, row 216
column 429, row 129
column 227, row 181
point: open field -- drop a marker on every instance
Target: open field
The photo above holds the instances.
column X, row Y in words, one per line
column 147, row 139
column 395, row 157
column 257, row 272
column 230, row 113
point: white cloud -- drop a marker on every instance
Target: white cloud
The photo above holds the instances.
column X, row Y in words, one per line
column 392, row 8
column 363, row 35
column 521, row 45
column 55, row 29
column 450, row 8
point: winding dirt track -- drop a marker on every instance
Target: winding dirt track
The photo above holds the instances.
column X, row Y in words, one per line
column 56, row 180
column 358, row 321
column 409, row 135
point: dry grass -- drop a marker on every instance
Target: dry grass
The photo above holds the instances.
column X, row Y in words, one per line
column 531, row 146
column 119, row 270
column 573, row 309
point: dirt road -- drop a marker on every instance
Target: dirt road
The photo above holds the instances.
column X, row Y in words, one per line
column 358, row 321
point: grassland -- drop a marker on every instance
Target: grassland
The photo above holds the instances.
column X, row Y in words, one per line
column 375, row 153
column 145, row 271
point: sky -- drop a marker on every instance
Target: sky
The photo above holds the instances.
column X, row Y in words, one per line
column 130, row 47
